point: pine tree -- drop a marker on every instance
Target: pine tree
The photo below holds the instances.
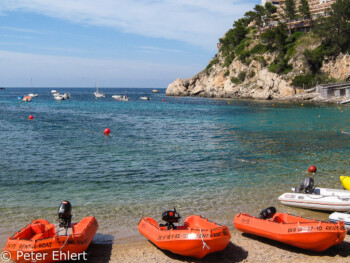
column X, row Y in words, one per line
column 260, row 12
column 290, row 12
column 304, row 9
column 335, row 29
column 271, row 11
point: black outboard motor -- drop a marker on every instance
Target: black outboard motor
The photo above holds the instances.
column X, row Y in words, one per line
column 170, row 217
column 64, row 214
column 267, row 213
column 307, row 186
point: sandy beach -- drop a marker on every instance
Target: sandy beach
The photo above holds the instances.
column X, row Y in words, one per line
column 242, row 248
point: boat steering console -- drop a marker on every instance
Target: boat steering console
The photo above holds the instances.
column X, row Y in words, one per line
column 65, row 214
column 170, row 217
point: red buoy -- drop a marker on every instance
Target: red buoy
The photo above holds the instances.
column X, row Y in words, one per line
column 163, row 100
column 312, row 169
column 107, row 131
column 31, row 117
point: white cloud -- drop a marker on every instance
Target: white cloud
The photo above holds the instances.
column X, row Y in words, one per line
column 65, row 71
column 198, row 22
column 15, row 36
column 21, row 30
column 157, row 50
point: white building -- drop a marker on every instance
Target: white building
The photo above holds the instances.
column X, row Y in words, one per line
column 317, row 7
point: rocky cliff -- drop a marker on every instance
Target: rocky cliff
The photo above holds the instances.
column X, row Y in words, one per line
column 254, row 79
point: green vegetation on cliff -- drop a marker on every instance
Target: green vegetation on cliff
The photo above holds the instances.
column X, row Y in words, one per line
column 276, row 46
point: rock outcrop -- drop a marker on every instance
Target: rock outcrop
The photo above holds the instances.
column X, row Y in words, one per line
column 338, row 68
column 254, row 80
column 258, row 84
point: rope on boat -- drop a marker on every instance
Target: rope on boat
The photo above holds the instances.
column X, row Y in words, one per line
column 204, row 244
column 343, row 198
column 318, row 197
column 65, row 242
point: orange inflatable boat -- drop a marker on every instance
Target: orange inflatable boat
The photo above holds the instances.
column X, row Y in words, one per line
column 43, row 242
column 304, row 233
column 196, row 238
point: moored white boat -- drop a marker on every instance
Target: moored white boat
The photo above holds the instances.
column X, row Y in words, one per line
column 98, row 94
column 337, row 217
column 58, row 96
column 155, row 91
column 116, row 96
column 123, row 98
column 145, row 98
column 319, row 199
column 33, row 95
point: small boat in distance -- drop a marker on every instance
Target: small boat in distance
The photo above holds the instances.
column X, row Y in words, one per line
column 145, row 98
column 116, row 96
column 196, row 238
column 155, row 91
column 123, row 98
column 293, row 230
column 57, row 96
column 27, row 99
column 98, row 94
column 33, row 94
column 47, row 242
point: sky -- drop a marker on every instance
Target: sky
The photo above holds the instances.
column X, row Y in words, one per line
column 115, row 43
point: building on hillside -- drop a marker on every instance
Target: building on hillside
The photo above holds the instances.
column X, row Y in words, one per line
column 274, row 2
column 317, row 7
column 320, row 7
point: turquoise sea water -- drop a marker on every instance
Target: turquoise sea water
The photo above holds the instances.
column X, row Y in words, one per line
column 202, row 156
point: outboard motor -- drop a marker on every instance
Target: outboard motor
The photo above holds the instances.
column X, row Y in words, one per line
column 307, row 186
column 64, row 214
column 170, row 217
column 267, row 213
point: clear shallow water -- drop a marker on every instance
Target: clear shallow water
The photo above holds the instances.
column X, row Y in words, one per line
column 202, row 156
